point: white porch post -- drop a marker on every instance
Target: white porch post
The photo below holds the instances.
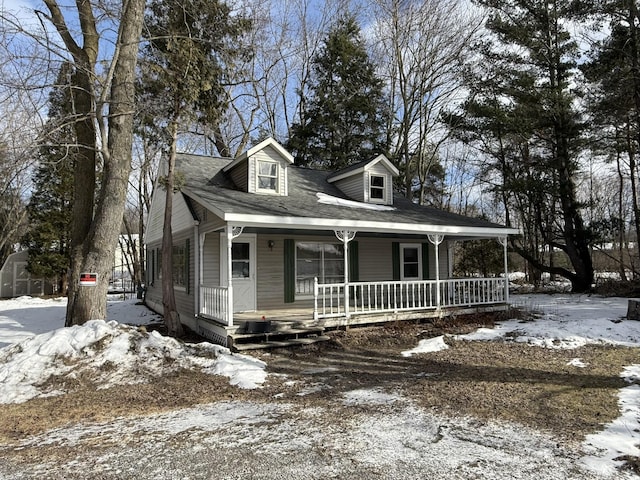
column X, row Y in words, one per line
column 232, row 232
column 346, row 236
column 503, row 242
column 197, row 267
column 436, row 239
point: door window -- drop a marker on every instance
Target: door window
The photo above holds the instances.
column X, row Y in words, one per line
column 240, row 264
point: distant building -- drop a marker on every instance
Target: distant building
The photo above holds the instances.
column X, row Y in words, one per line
column 16, row 281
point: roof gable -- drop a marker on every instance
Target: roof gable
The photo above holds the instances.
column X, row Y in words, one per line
column 269, row 142
column 362, row 167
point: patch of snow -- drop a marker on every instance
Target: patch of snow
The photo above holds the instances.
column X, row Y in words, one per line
column 576, row 362
column 427, row 345
column 342, row 202
column 112, row 354
column 369, row 397
column 566, row 322
column 620, row 437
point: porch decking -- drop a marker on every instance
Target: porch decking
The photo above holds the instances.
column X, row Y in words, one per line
column 367, row 303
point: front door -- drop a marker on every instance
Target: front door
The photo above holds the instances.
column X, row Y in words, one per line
column 243, row 268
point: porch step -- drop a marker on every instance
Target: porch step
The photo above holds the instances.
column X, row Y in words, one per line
column 277, row 338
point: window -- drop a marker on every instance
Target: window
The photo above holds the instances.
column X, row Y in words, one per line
column 180, row 265
column 159, row 263
column 410, row 262
column 240, row 264
column 322, row 260
column 151, row 269
column 267, row 176
column 376, row 188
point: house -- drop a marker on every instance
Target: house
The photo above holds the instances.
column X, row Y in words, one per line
column 16, row 281
column 256, row 238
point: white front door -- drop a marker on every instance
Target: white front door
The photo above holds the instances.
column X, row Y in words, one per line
column 243, row 270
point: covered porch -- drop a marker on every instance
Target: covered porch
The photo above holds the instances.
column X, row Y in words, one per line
column 347, row 302
column 367, row 302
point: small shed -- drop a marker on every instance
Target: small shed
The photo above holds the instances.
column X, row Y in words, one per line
column 16, row 281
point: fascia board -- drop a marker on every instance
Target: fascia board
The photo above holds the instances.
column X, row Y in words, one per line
column 332, row 179
column 387, row 163
column 216, row 211
column 267, row 221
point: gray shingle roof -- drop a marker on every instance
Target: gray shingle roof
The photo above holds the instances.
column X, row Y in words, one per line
column 206, row 182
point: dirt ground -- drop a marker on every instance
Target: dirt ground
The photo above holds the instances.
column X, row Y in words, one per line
column 492, row 381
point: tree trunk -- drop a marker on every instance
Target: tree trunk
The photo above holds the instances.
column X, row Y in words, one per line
column 95, row 234
column 171, row 317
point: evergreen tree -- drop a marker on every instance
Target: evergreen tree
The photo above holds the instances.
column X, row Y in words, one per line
column 190, row 51
column 342, row 123
column 522, row 111
column 613, row 71
column 50, row 206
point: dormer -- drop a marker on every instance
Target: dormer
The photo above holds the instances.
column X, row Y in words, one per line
column 261, row 169
column 369, row 182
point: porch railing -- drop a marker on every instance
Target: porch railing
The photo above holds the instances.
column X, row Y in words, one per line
column 405, row 296
column 214, row 303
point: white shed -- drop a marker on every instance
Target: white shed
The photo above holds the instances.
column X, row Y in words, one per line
column 16, row 281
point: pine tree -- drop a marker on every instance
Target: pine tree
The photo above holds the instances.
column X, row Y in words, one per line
column 613, row 71
column 522, row 112
column 192, row 46
column 342, row 123
column 50, row 206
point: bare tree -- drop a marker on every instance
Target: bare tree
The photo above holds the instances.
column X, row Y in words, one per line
column 421, row 47
column 101, row 113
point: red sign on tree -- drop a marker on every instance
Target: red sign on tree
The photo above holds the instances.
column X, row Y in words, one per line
column 88, row 279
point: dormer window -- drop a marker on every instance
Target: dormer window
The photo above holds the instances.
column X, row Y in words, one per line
column 267, row 176
column 376, row 188
column 261, row 169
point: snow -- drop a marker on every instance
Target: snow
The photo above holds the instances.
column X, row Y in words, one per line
column 569, row 322
column 342, row 202
column 427, row 345
column 36, row 347
column 114, row 353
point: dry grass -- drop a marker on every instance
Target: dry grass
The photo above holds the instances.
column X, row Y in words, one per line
column 86, row 404
column 486, row 380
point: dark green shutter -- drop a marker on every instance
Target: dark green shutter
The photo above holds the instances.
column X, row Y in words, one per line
column 289, row 271
column 395, row 257
column 354, row 269
column 425, row 261
column 187, row 266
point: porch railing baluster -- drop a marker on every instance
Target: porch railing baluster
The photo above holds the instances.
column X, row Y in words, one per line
column 384, row 297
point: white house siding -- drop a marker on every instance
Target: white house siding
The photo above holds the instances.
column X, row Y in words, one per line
column 272, row 155
column 270, row 271
column 184, row 297
column 181, row 217
column 379, row 169
column 374, row 255
column 240, row 176
column 353, row 186
column 211, row 260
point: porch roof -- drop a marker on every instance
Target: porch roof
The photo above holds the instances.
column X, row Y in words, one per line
column 206, row 183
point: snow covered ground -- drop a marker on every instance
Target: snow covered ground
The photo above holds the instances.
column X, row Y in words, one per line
column 386, row 435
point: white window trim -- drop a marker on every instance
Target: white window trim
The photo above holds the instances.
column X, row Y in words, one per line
column 417, row 246
column 303, row 296
column 384, row 199
column 277, row 177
